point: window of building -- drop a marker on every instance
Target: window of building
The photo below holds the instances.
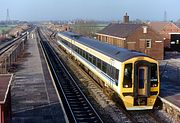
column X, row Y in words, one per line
column 148, row 43
column 177, row 41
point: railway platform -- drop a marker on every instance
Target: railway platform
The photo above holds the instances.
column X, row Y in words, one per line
column 170, row 86
column 170, row 80
column 34, row 98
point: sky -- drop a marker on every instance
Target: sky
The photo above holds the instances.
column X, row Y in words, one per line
column 108, row 10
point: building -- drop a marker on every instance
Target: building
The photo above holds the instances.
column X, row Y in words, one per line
column 16, row 31
column 139, row 37
column 58, row 27
column 170, row 32
column 5, row 98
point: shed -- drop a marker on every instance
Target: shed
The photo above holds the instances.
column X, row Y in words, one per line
column 5, row 98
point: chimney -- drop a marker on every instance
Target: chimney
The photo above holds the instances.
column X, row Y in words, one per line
column 126, row 19
column 145, row 28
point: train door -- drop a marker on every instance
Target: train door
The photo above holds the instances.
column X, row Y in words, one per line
column 111, row 72
column 142, row 80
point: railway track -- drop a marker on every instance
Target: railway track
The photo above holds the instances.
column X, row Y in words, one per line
column 5, row 47
column 77, row 106
column 119, row 114
column 10, row 44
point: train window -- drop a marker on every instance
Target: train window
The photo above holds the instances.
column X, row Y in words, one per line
column 64, row 42
column 86, row 56
column 104, row 67
column 108, row 70
column 94, row 60
column 70, row 45
column 99, row 63
column 90, row 58
column 76, row 49
column 113, row 72
column 84, row 53
column 127, row 82
column 141, row 78
column 117, row 74
column 154, row 79
column 67, row 43
column 80, row 52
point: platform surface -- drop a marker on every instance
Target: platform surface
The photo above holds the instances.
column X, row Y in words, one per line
column 34, row 99
column 170, row 80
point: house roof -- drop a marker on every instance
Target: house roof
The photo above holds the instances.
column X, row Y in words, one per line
column 120, row 30
column 178, row 24
column 158, row 26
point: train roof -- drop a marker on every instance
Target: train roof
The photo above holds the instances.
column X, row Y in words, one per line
column 120, row 54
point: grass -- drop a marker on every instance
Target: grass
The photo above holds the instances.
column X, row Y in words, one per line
column 5, row 28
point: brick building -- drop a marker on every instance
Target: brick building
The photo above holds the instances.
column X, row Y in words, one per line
column 139, row 37
column 58, row 27
column 169, row 31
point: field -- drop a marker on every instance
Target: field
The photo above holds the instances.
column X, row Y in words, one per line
column 88, row 29
column 5, row 28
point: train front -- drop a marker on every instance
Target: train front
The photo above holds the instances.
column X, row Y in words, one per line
column 140, row 83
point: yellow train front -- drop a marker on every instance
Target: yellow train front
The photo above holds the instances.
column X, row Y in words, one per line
column 140, row 83
column 133, row 76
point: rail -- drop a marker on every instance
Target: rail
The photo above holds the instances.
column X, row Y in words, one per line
column 10, row 44
column 77, row 106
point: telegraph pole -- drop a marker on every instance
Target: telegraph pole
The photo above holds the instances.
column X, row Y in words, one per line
column 7, row 17
column 165, row 16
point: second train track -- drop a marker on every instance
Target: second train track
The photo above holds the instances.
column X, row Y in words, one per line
column 77, row 106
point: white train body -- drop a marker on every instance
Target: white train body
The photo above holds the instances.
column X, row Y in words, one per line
column 133, row 76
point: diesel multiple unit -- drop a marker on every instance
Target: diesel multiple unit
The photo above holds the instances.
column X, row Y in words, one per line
column 133, row 76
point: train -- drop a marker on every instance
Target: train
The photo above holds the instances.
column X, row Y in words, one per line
column 132, row 76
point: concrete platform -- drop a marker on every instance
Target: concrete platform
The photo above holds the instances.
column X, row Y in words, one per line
column 34, row 98
column 170, row 81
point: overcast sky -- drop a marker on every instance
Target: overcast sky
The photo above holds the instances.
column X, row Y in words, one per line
column 32, row 10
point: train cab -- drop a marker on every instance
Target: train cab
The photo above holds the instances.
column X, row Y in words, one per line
column 140, row 84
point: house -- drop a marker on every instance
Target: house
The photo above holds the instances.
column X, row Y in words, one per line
column 139, row 37
column 170, row 32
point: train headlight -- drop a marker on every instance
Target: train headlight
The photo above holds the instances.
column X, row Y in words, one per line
column 154, row 85
column 126, row 86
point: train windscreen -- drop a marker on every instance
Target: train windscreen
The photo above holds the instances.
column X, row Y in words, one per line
column 127, row 83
